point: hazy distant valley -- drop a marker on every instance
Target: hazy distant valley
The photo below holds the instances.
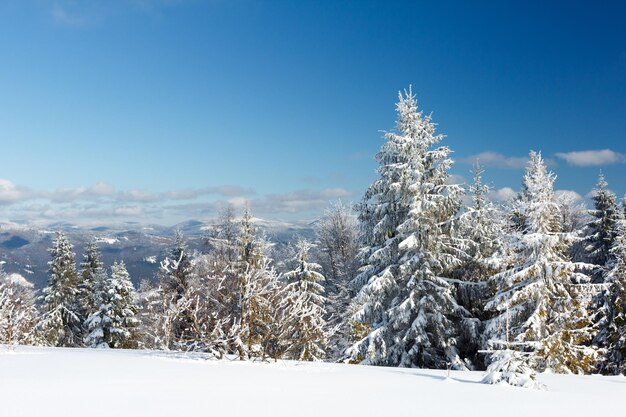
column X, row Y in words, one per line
column 24, row 248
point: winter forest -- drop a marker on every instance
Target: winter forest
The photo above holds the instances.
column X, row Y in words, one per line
column 420, row 273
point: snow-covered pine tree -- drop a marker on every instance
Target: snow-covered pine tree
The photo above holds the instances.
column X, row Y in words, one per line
column 60, row 323
column 156, row 316
column 18, row 315
column 114, row 324
column 176, row 283
column 179, row 265
column 250, row 246
column 600, row 231
column 257, row 289
column 125, row 333
column 99, row 322
column 337, row 235
column 541, row 290
column 89, row 268
column 481, row 225
column 511, row 367
column 612, row 333
column 258, row 292
column 307, row 332
column 406, row 313
column 215, row 304
column 508, row 366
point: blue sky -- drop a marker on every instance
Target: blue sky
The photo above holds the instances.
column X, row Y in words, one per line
column 159, row 111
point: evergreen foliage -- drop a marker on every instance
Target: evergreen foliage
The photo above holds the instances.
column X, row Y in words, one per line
column 406, row 306
column 176, row 285
column 89, row 269
column 18, row 314
column 545, row 294
column 613, row 330
column 307, row 331
column 337, row 236
column 600, row 231
column 60, row 323
column 113, row 324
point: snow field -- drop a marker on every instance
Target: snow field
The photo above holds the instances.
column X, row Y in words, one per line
column 55, row 382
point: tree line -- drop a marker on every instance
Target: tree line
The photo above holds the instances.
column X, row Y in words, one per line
column 420, row 273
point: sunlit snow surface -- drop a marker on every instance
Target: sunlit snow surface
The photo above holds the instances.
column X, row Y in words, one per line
column 81, row 382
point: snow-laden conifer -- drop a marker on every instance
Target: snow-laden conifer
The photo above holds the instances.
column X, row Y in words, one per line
column 114, row 324
column 18, row 314
column 613, row 328
column 307, row 331
column 545, row 294
column 60, row 323
column 99, row 322
column 511, row 367
column 258, row 289
column 337, row 236
column 405, row 312
column 176, row 285
column 481, row 224
column 89, row 268
column 600, row 231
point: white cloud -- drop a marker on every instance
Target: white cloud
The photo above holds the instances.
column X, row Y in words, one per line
column 102, row 188
column 592, row 157
column 103, row 202
column 11, row 193
column 131, row 211
column 298, row 201
column 502, row 194
column 496, row 160
column 98, row 190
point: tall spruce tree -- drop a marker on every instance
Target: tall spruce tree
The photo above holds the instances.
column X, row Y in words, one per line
column 543, row 294
column 600, row 231
column 125, row 309
column 177, row 286
column 89, row 268
column 113, row 324
column 481, row 224
column 257, row 290
column 18, row 314
column 99, row 322
column 250, row 246
column 337, row 237
column 307, row 332
column 60, row 324
column 612, row 335
column 405, row 312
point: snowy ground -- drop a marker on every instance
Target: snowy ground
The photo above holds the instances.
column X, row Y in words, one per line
column 82, row 382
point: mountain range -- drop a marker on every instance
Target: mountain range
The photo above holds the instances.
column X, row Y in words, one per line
column 24, row 248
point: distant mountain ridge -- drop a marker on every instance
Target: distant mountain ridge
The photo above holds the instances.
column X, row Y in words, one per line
column 24, row 248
